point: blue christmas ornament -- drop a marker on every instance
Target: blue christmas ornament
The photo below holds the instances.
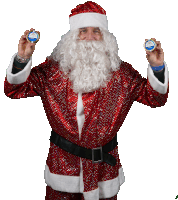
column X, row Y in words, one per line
column 150, row 45
column 33, row 36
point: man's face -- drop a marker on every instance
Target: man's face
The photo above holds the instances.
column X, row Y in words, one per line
column 90, row 33
column 87, row 60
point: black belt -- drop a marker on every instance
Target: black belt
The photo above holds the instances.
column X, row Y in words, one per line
column 97, row 155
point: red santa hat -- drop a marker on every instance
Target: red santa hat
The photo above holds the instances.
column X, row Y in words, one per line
column 89, row 14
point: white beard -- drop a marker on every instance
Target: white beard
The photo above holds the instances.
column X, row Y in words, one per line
column 91, row 66
column 87, row 63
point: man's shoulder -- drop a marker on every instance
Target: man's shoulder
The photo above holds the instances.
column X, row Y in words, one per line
column 125, row 65
column 124, row 68
column 49, row 63
column 126, row 71
column 48, row 68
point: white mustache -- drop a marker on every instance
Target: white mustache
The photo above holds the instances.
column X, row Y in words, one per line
column 88, row 51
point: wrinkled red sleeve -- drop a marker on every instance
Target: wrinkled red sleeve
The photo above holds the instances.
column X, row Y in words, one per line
column 141, row 89
column 33, row 86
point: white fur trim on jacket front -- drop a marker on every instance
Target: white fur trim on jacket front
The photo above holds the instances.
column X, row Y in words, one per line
column 74, row 184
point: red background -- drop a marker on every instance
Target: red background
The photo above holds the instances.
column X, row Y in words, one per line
column 148, row 138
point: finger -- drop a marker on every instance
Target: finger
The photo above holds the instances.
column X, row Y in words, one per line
column 26, row 32
column 148, row 56
column 22, row 39
column 160, row 51
column 158, row 44
column 33, row 46
column 158, row 47
column 148, row 52
column 153, row 39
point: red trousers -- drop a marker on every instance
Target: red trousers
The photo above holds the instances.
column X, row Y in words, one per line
column 56, row 195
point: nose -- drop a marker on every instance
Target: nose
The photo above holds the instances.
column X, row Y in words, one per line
column 90, row 35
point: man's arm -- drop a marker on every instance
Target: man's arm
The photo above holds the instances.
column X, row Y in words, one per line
column 17, row 66
column 160, row 75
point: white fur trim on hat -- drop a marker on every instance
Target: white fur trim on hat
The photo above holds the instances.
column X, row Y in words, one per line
column 88, row 20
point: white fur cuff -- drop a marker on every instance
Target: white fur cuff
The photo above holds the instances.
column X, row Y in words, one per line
column 21, row 76
column 155, row 83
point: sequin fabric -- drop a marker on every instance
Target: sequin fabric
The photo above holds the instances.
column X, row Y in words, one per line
column 105, row 110
column 57, row 195
column 88, row 6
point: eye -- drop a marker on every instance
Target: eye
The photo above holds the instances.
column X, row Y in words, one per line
column 96, row 31
column 83, row 31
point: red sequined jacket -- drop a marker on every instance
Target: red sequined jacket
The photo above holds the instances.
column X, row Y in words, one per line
column 105, row 110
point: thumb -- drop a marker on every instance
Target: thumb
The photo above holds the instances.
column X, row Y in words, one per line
column 148, row 52
column 32, row 44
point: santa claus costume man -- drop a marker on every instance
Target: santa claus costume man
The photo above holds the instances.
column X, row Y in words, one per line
column 87, row 92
